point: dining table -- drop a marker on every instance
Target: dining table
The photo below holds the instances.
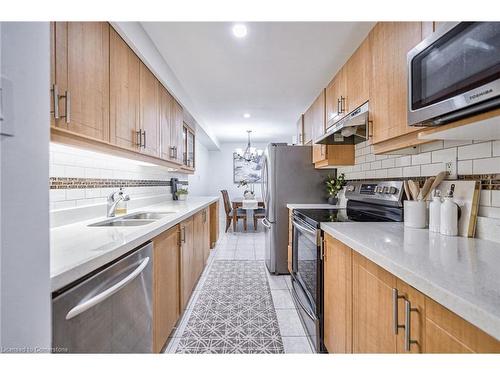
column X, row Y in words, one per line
column 238, row 203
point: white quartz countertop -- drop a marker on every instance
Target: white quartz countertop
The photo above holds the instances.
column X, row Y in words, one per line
column 294, row 206
column 462, row 274
column 77, row 249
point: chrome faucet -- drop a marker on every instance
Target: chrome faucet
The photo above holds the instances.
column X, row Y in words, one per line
column 113, row 199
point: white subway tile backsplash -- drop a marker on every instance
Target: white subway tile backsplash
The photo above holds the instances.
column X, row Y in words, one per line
column 464, row 167
column 57, row 195
column 485, row 198
column 486, row 211
column 475, row 151
column 483, row 166
column 411, row 171
column 376, row 165
column 445, row 155
column 403, row 161
column 455, row 143
column 432, row 169
column 395, row 172
column 71, row 171
column 418, row 159
column 496, row 148
column 495, row 198
column 426, row 147
column 388, row 163
column 369, row 157
column 73, row 194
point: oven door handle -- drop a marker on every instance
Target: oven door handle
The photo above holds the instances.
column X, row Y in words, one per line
column 309, row 313
column 303, row 228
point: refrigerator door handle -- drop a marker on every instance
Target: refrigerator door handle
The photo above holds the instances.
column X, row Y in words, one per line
column 266, row 223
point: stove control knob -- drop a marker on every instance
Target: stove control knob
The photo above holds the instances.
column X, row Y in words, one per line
column 393, row 190
column 386, row 190
column 378, row 189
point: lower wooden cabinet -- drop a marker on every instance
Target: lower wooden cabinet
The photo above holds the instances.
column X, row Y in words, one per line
column 214, row 223
column 166, row 308
column 337, row 261
column 378, row 313
column 206, row 235
column 187, row 260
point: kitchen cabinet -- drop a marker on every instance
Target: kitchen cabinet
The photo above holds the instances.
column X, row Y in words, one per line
column 188, row 146
column 337, row 268
column 80, row 78
column 335, row 98
column 176, row 131
column 214, row 224
column 166, row 299
column 307, row 125
column 167, row 151
column 410, row 339
column 300, row 130
column 187, row 260
column 372, row 308
column 199, row 245
column 332, row 156
column 446, row 332
column 357, row 77
column 390, row 43
column 124, row 93
column 149, row 114
column 206, row 235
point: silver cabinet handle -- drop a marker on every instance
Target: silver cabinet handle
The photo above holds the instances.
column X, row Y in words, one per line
column 342, row 107
column 138, row 136
column 183, row 234
column 338, row 106
column 408, row 340
column 55, row 100
column 77, row 310
column 67, row 111
column 395, row 298
column 144, row 133
column 172, row 154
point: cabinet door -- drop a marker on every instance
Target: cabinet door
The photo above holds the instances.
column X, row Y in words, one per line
column 416, row 332
column 335, row 98
column 373, row 325
column 308, row 125
column 124, row 93
column 318, row 125
column 190, row 149
column 206, row 236
column 199, row 245
column 187, row 260
column 357, row 71
column 300, row 130
column 82, row 71
column 446, row 332
column 390, row 42
column 337, row 296
column 149, row 113
column 319, row 153
column 176, row 131
column 214, row 224
column 166, row 300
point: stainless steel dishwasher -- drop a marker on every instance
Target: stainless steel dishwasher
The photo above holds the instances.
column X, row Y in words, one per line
column 108, row 312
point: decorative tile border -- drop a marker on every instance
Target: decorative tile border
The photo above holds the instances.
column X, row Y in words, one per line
column 94, row 183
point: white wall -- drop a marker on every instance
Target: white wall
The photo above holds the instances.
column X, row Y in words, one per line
column 221, row 170
column 199, row 181
column 25, row 275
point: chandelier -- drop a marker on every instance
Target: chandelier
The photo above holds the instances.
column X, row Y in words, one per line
column 250, row 154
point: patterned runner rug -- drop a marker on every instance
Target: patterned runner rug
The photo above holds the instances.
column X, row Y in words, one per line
column 234, row 312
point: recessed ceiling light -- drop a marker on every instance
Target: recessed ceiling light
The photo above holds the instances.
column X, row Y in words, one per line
column 240, row 30
column 246, row 115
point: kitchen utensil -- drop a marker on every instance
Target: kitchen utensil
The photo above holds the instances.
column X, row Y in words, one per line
column 439, row 178
column 414, row 189
column 407, row 190
column 425, row 189
column 415, row 214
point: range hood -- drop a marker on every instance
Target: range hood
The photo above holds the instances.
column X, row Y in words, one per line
column 351, row 129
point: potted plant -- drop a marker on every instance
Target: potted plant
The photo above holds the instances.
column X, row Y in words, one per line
column 333, row 186
column 182, row 194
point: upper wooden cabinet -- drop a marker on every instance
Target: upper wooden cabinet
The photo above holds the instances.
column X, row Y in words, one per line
column 188, row 146
column 318, row 116
column 299, row 126
column 390, row 43
column 165, row 102
column 149, row 114
column 335, row 98
column 81, row 78
column 357, row 76
column 124, row 94
column 176, row 131
column 307, row 126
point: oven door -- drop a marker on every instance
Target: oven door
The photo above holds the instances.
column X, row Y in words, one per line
column 456, row 69
column 306, row 260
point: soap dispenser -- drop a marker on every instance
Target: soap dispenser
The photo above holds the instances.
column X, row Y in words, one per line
column 435, row 212
column 449, row 215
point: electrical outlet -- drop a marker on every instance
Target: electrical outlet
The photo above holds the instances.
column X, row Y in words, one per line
column 451, row 169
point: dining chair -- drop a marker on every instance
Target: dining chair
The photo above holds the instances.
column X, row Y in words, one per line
column 259, row 213
column 253, row 205
column 240, row 213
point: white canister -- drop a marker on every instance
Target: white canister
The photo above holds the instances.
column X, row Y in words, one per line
column 449, row 217
column 415, row 214
column 435, row 214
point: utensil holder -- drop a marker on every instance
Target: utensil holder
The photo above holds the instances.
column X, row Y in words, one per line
column 415, row 214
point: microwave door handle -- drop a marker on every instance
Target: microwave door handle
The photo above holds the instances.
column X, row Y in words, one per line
column 77, row 310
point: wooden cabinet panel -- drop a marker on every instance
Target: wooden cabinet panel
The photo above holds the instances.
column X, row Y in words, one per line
column 149, row 113
column 206, row 236
column 358, row 72
column 446, row 332
column 300, row 130
column 308, row 121
column 335, row 98
column 372, row 330
column 124, row 93
column 214, row 224
column 82, row 70
column 165, row 114
column 166, row 299
column 199, row 245
column 333, row 155
column 176, row 131
column 417, row 318
column 390, row 42
column 337, row 296
column 318, row 125
column 187, row 260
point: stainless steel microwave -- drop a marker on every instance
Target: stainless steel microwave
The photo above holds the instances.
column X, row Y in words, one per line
column 454, row 73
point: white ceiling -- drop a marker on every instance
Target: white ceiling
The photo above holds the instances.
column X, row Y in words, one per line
column 274, row 73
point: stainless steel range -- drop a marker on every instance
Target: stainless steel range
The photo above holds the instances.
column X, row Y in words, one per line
column 368, row 201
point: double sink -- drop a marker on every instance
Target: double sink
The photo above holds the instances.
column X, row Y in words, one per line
column 133, row 220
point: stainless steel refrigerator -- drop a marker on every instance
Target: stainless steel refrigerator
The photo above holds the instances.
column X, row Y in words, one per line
column 288, row 176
